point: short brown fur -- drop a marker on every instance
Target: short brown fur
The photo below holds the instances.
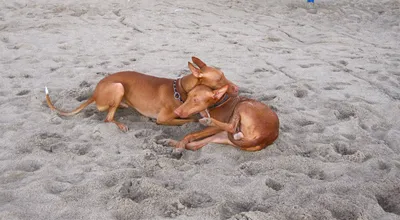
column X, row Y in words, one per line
column 151, row 96
column 241, row 122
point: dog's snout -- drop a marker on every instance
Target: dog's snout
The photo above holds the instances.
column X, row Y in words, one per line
column 178, row 112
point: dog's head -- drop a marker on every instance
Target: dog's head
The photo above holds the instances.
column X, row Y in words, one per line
column 211, row 76
column 199, row 99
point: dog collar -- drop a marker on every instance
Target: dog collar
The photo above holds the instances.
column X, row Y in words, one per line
column 177, row 95
column 221, row 102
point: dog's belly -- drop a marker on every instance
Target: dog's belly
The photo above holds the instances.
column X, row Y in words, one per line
column 147, row 112
column 144, row 109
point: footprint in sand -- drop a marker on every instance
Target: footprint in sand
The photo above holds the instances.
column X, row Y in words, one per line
column 250, row 168
column 83, row 96
column 266, row 98
column 343, row 62
column 332, row 88
column 5, row 40
column 273, row 184
column 343, row 149
column 390, row 200
column 300, row 93
column 335, row 86
column 6, row 197
column 231, row 208
column 196, row 200
column 133, row 191
column 23, row 92
column 49, row 141
column 348, row 153
column 172, row 210
column 317, row 174
column 71, row 178
column 344, row 112
column 110, row 180
column 306, row 66
column 260, row 73
column 56, row 187
column 29, row 165
column 144, row 133
column 81, row 149
column 126, row 63
column 274, row 108
column 172, row 185
column 382, row 165
column 304, row 123
column 84, row 84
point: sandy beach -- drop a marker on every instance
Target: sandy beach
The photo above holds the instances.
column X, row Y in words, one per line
column 333, row 78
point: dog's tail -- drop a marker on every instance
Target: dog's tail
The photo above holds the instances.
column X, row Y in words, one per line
column 245, row 142
column 254, row 144
column 60, row 112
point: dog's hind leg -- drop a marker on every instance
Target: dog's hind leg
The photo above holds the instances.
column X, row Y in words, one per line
column 219, row 138
column 108, row 96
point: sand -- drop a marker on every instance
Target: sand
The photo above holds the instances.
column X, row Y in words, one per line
column 333, row 77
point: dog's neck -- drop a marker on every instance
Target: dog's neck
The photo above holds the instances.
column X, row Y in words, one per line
column 186, row 84
column 226, row 107
column 220, row 102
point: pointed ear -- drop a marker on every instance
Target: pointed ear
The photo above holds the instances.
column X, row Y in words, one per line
column 218, row 93
column 195, row 71
column 198, row 62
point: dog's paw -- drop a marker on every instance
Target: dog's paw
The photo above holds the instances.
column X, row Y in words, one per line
column 205, row 121
column 203, row 114
column 177, row 153
column 123, row 127
column 123, row 105
column 238, row 136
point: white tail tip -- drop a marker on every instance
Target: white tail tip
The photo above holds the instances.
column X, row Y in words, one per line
column 46, row 90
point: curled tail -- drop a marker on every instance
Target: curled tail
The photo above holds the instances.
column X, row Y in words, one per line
column 254, row 144
column 245, row 142
column 60, row 112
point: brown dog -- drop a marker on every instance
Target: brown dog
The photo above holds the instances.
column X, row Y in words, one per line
column 151, row 96
column 240, row 122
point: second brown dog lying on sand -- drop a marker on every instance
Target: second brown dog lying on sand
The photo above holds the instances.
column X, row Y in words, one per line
column 241, row 122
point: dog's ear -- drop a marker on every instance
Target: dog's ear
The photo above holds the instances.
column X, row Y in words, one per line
column 195, row 71
column 198, row 62
column 218, row 93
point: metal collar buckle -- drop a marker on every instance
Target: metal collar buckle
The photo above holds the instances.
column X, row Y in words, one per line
column 177, row 95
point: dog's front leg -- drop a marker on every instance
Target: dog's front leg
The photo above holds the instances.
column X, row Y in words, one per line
column 230, row 127
column 168, row 117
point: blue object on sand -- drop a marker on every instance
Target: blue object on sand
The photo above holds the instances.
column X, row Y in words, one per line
column 312, row 1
